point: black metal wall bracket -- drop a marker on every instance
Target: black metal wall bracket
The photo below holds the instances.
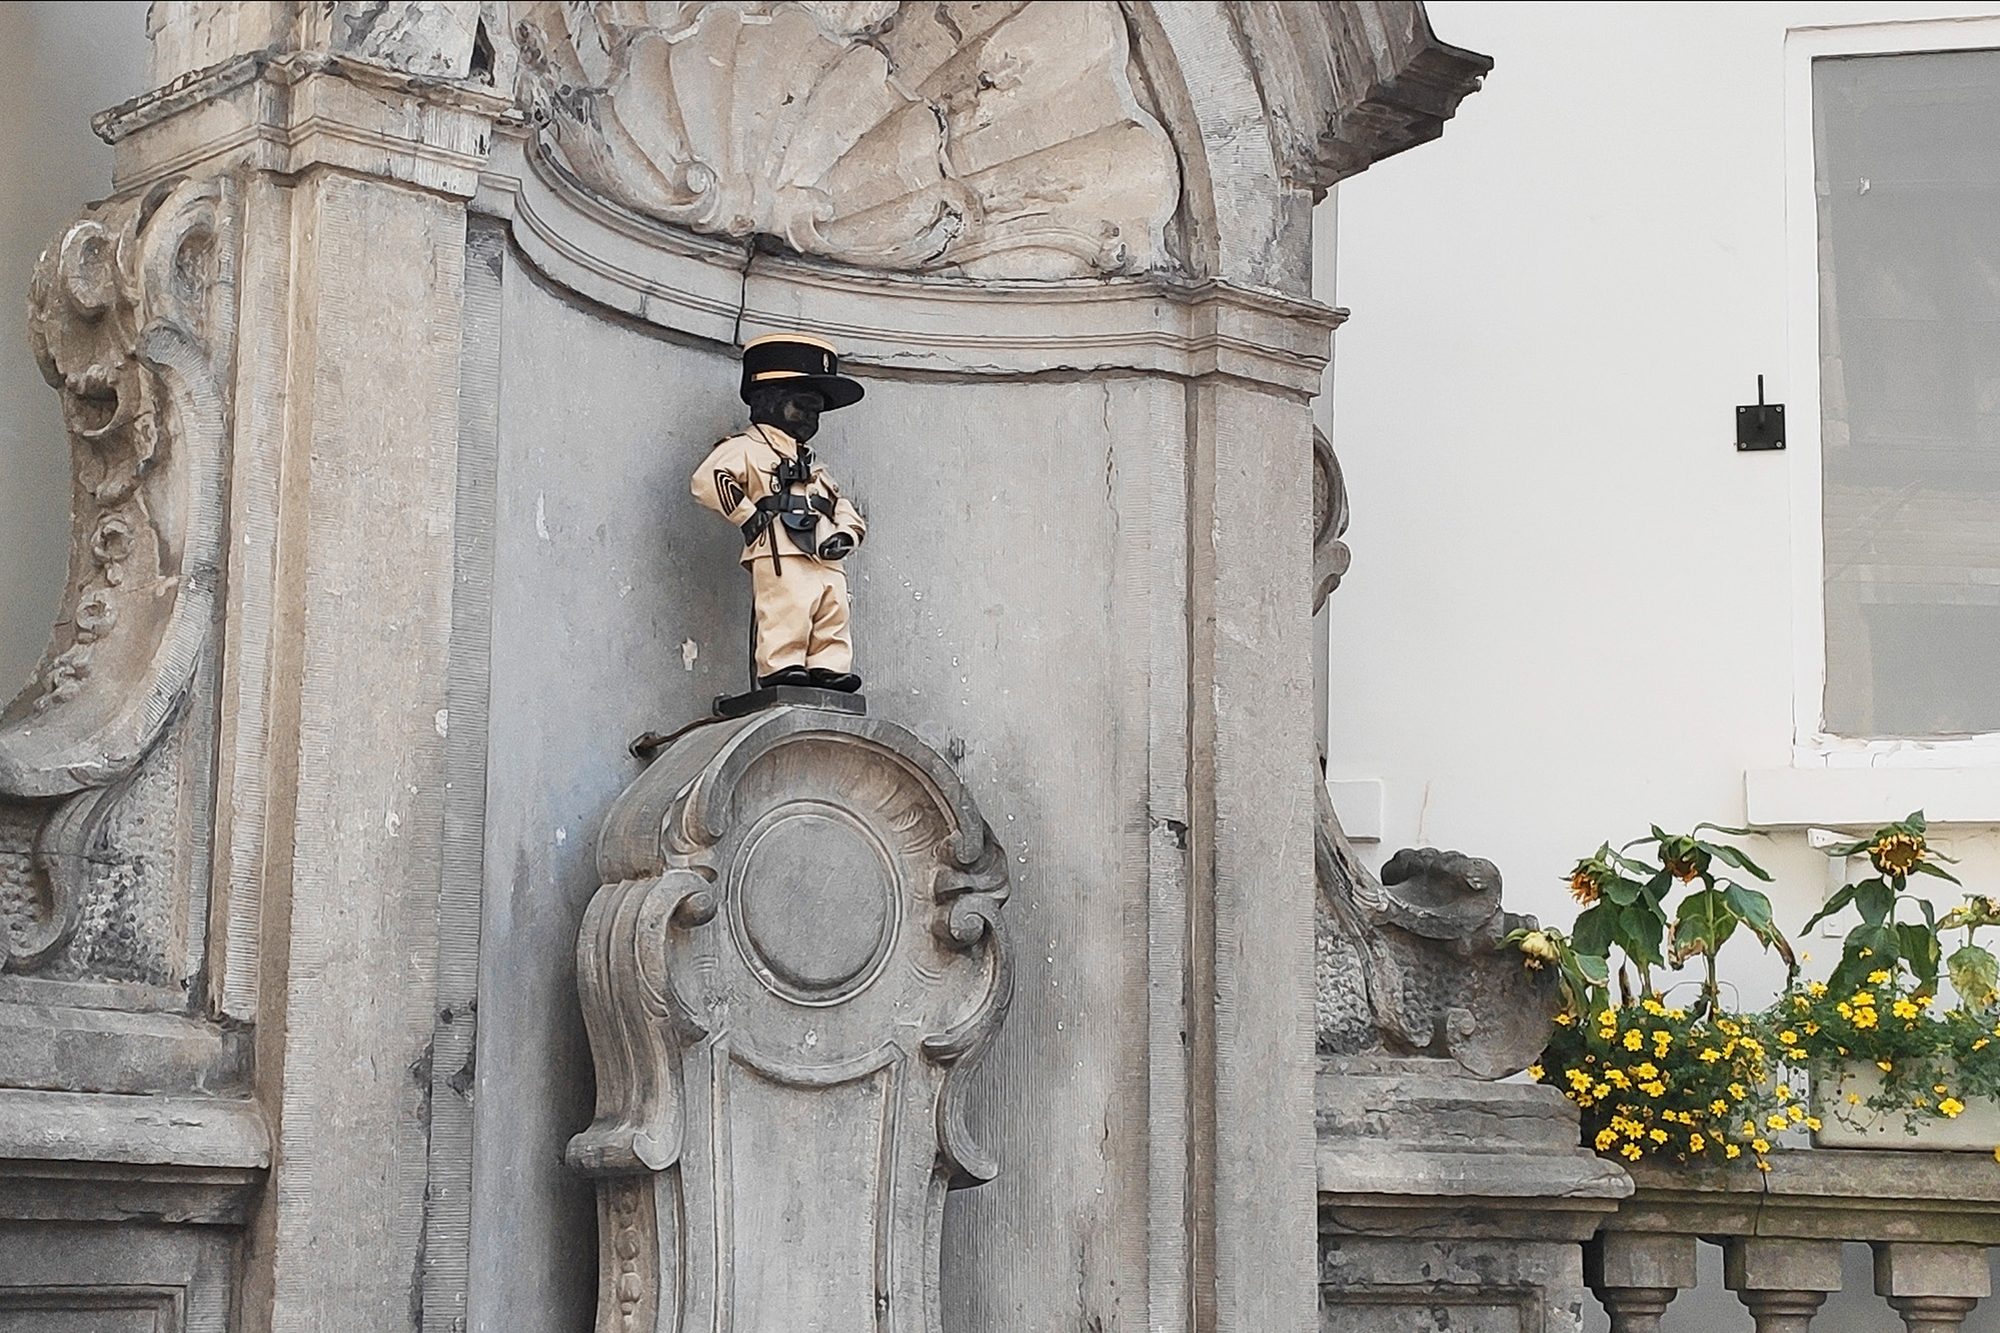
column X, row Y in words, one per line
column 1760, row 425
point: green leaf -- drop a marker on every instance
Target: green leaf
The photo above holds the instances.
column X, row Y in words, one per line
column 1595, row 931
column 1875, row 900
column 1731, row 856
column 1840, row 899
column 1639, row 934
column 1932, row 868
column 1732, row 832
column 1704, row 925
column 1920, row 950
column 1621, row 891
column 1593, row 969
column 1975, row 975
column 1915, row 822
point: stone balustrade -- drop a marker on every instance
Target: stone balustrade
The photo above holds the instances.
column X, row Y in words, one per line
column 1929, row 1217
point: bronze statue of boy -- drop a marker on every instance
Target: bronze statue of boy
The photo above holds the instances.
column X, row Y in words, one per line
column 796, row 525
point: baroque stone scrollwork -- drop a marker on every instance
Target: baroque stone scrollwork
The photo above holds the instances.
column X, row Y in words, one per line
column 128, row 318
column 997, row 140
column 796, row 956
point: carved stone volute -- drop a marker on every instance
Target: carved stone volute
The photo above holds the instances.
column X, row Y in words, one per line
column 120, row 319
column 129, row 315
column 794, row 959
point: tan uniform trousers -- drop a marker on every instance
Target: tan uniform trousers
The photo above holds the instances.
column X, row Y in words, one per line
column 801, row 615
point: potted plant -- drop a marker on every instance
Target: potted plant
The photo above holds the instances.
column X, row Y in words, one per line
column 1890, row 1065
column 1651, row 1079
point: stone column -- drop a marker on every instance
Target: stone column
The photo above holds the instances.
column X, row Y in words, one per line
column 355, row 137
column 1636, row 1276
column 1933, row 1287
column 1781, row 1282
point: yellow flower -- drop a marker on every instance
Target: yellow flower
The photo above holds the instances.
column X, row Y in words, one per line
column 1812, row 1123
column 1646, row 1069
column 1937, row 1087
column 1904, row 1009
column 1763, row 1165
column 1876, row 978
column 1885, row 1066
column 1535, row 1073
column 1709, row 1055
column 1658, row 1136
column 1696, row 1143
column 1718, row 1107
column 1633, row 1041
column 1605, row 1138
column 1602, row 1090
column 1864, row 1018
column 1652, row 1006
column 1654, row 1089
column 1789, row 1037
column 1854, row 1099
column 1564, row 1020
column 1775, row 1123
column 1760, row 1145
column 1738, row 1091
column 1996, row 1154
column 1616, row 1078
column 1950, row 1107
column 1732, row 1152
column 1816, row 989
column 1812, row 1029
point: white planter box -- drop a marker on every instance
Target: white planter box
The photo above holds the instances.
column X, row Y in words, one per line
column 1843, row 1125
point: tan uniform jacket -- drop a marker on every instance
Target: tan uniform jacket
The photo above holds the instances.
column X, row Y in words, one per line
column 739, row 472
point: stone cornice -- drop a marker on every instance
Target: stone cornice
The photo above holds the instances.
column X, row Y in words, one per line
column 711, row 289
column 290, row 111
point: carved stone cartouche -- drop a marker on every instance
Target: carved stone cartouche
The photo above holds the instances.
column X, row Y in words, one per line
column 1003, row 140
column 128, row 316
column 794, row 959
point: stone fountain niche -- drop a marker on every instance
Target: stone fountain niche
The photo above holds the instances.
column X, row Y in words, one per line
column 423, row 314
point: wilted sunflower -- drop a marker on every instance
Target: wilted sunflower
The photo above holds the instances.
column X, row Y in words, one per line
column 1895, row 853
column 1537, row 949
column 1686, row 866
column 1584, row 885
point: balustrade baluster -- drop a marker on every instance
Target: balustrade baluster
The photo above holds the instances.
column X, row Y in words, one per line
column 1636, row 1276
column 1781, row 1282
column 1933, row 1287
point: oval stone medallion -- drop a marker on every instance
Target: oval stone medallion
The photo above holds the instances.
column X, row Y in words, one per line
column 815, row 901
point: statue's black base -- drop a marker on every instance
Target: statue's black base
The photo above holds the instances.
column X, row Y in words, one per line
column 799, row 696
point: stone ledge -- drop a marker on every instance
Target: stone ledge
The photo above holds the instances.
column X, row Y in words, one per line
column 140, row 1131
column 1824, row 1194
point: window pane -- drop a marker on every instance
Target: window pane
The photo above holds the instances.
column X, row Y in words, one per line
column 1907, row 154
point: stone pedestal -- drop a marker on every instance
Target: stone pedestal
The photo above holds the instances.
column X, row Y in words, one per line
column 1440, row 1193
column 796, row 950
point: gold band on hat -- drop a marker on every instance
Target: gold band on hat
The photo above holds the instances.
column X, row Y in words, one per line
column 805, row 338
column 778, row 375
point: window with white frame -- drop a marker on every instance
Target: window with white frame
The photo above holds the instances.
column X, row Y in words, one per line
column 1906, row 161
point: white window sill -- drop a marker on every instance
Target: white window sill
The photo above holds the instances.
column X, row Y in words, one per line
column 1867, row 798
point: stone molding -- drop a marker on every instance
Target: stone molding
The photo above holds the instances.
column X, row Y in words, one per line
column 731, row 1021
column 290, row 111
column 1348, row 84
column 675, row 279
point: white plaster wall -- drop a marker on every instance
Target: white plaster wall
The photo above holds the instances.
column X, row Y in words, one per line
column 60, row 63
column 1570, row 609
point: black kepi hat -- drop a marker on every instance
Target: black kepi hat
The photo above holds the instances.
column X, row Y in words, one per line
column 797, row 360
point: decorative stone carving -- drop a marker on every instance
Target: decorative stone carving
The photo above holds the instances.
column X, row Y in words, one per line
column 996, row 140
column 1412, row 964
column 1330, row 554
column 794, row 959
column 1347, row 84
column 128, row 315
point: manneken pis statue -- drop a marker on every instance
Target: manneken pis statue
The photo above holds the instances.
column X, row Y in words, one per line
column 797, row 527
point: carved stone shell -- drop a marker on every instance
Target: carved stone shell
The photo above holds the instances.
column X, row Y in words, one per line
column 998, row 140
